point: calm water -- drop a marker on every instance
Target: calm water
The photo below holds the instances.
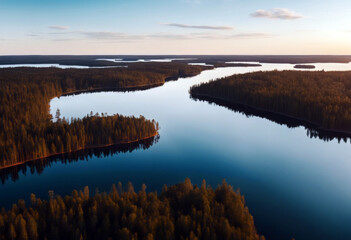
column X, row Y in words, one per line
column 294, row 186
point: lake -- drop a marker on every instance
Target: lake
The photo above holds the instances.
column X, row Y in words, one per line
column 294, row 185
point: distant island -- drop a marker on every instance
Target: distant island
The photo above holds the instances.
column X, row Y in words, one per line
column 27, row 132
column 321, row 99
column 243, row 64
column 301, row 66
column 182, row 211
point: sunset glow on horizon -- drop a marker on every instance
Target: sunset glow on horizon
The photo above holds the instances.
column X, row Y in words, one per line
column 175, row 27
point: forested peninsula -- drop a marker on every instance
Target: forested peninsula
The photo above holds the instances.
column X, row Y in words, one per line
column 320, row 98
column 182, row 211
column 27, row 131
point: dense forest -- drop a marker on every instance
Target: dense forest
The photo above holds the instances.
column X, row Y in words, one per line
column 27, row 131
column 182, row 211
column 321, row 98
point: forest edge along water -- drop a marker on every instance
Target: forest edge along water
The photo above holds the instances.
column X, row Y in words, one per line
column 38, row 85
column 192, row 151
column 320, row 100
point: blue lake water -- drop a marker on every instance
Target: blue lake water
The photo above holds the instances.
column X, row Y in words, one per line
column 294, row 185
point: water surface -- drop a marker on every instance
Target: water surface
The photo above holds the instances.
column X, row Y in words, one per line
column 294, row 185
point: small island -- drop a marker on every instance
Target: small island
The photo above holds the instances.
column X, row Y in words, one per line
column 302, row 66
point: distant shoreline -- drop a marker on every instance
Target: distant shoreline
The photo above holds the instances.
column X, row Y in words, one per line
column 90, row 60
column 107, row 89
column 301, row 66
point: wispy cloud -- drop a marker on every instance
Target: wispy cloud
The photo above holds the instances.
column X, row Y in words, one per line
column 103, row 34
column 126, row 37
column 207, row 27
column 190, row 36
column 237, row 36
column 277, row 13
column 107, row 35
column 59, row 27
column 251, row 35
column 32, row 35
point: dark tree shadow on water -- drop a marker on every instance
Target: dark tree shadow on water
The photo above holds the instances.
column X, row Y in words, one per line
column 312, row 130
column 38, row 166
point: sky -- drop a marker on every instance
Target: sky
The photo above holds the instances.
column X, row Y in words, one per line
column 175, row 27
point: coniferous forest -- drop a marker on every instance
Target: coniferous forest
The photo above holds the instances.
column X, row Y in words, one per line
column 245, row 98
column 322, row 98
column 27, row 131
column 182, row 211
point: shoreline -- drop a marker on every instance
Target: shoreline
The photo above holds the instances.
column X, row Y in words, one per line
column 79, row 149
column 301, row 121
column 101, row 89
column 113, row 89
column 304, row 66
column 127, row 89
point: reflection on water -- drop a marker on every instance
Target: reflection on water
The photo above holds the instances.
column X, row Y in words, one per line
column 38, row 166
column 294, row 186
column 312, row 130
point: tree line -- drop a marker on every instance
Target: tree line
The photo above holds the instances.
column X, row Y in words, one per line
column 38, row 166
column 27, row 131
column 322, row 98
column 182, row 211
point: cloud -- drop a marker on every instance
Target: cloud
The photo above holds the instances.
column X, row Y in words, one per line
column 128, row 37
column 58, row 27
column 207, row 27
column 63, row 39
column 118, row 36
column 250, row 35
column 277, row 13
column 167, row 36
column 103, row 34
column 232, row 36
column 109, row 35
column 112, row 36
column 32, row 35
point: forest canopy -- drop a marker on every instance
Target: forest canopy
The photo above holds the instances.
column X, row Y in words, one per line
column 321, row 98
column 182, row 211
column 26, row 129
